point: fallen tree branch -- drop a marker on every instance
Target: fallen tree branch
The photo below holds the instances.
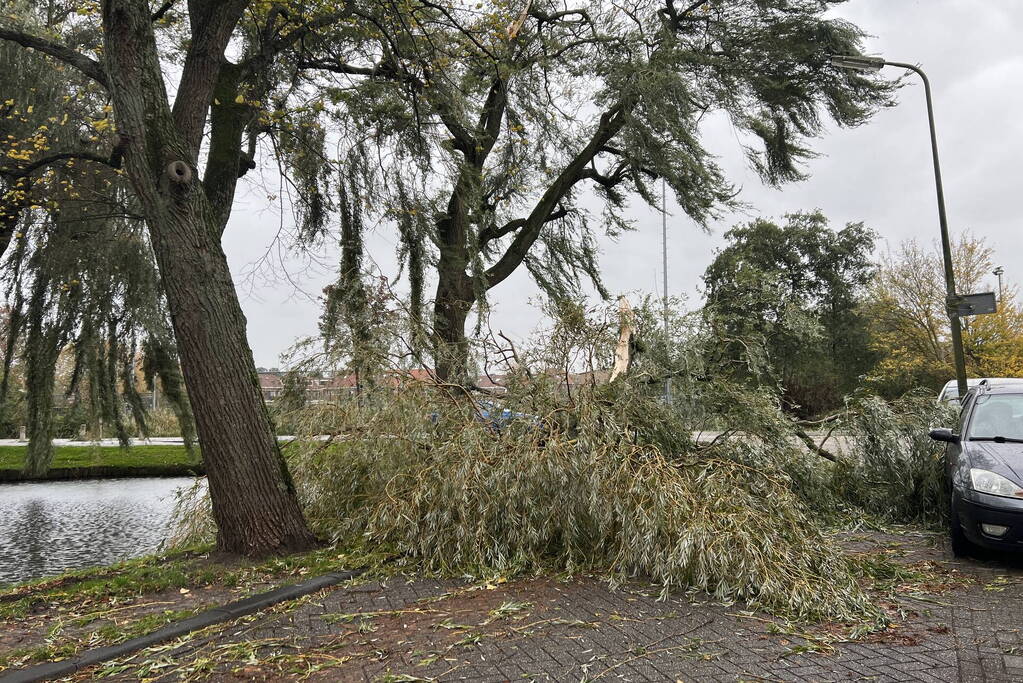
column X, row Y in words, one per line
column 812, row 445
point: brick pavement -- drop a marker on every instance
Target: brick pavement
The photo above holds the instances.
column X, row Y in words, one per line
column 544, row 629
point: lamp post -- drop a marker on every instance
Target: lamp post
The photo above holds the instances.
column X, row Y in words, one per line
column 664, row 270
column 873, row 64
column 999, row 271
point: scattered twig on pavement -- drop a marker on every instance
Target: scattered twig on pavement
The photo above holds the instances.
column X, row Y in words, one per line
column 646, row 652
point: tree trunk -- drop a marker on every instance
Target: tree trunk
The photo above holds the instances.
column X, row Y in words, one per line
column 254, row 501
column 450, row 310
column 455, row 294
column 626, row 330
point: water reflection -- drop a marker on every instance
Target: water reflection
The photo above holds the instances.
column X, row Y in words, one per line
column 50, row 527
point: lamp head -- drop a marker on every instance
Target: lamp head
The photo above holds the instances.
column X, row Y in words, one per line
column 862, row 63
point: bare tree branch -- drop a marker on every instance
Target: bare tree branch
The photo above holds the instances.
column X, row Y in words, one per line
column 29, row 169
column 158, row 14
column 494, row 232
column 85, row 65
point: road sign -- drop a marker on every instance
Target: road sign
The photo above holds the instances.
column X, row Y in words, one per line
column 976, row 304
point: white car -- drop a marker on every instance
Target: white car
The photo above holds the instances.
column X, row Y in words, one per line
column 950, row 392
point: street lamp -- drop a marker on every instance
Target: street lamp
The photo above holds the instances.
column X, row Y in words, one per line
column 874, row 64
column 999, row 271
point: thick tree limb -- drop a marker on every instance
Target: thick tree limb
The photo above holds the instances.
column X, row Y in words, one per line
column 490, row 120
column 545, row 18
column 812, row 445
column 82, row 63
column 341, row 67
column 611, row 122
column 212, row 23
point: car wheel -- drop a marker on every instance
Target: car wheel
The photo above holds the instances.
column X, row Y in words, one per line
column 961, row 546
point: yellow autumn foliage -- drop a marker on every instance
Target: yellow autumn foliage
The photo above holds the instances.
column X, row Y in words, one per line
column 909, row 328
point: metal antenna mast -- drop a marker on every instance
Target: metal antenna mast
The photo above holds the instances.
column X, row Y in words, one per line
column 664, row 272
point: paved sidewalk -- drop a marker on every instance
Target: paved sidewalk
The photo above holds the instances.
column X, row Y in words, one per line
column 964, row 629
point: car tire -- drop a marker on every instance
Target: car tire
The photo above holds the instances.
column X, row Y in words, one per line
column 961, row 545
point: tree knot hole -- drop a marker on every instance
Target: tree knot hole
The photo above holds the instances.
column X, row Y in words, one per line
column 179, row 172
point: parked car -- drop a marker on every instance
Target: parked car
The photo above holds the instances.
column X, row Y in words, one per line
column 950, row 392
column 494, row 416
column 984, row 468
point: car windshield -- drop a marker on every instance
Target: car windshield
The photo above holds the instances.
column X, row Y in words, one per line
column 998, row 415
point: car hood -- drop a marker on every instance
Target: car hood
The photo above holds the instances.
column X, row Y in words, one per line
column 1001, row 458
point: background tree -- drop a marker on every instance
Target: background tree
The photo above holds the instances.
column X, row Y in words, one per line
column 909, row 327
column 78, row 271
column 492, row 122
column 797, row 287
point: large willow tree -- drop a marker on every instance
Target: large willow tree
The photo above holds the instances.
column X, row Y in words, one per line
column 480, row 127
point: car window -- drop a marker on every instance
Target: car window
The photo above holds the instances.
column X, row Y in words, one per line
column 997, row 415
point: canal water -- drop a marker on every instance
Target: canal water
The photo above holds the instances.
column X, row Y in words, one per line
column 50, row 527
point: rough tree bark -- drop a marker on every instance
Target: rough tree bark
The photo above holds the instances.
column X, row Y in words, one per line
column 254, row 501
column 455, row 296
column 454, row 299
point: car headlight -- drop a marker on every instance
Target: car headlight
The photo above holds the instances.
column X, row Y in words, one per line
column 995, row 484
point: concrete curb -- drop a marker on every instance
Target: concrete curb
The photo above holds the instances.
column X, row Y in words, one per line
column 233, row 610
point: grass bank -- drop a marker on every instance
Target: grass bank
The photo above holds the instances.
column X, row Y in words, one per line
column 59, row 617
column 88, row 462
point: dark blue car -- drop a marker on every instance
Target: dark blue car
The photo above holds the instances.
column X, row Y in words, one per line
column 984, row 466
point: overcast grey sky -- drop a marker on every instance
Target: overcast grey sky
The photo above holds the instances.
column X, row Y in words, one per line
column 879, row 173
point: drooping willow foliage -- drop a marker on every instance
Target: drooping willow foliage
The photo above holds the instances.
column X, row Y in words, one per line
column 92, row 305
column 567, row 470
column 346, row 301
column 84, row 303
column 159, row 362
column 358, row 324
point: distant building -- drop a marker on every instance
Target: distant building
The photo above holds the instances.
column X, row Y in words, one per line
column 270, row 383
column 492, row 384
column 319, row 388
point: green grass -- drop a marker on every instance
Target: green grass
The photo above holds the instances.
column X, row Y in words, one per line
column 94, row 607
column 13, row 457
column 184, row 567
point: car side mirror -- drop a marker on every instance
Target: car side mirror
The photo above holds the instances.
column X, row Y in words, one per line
column 945, row 435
